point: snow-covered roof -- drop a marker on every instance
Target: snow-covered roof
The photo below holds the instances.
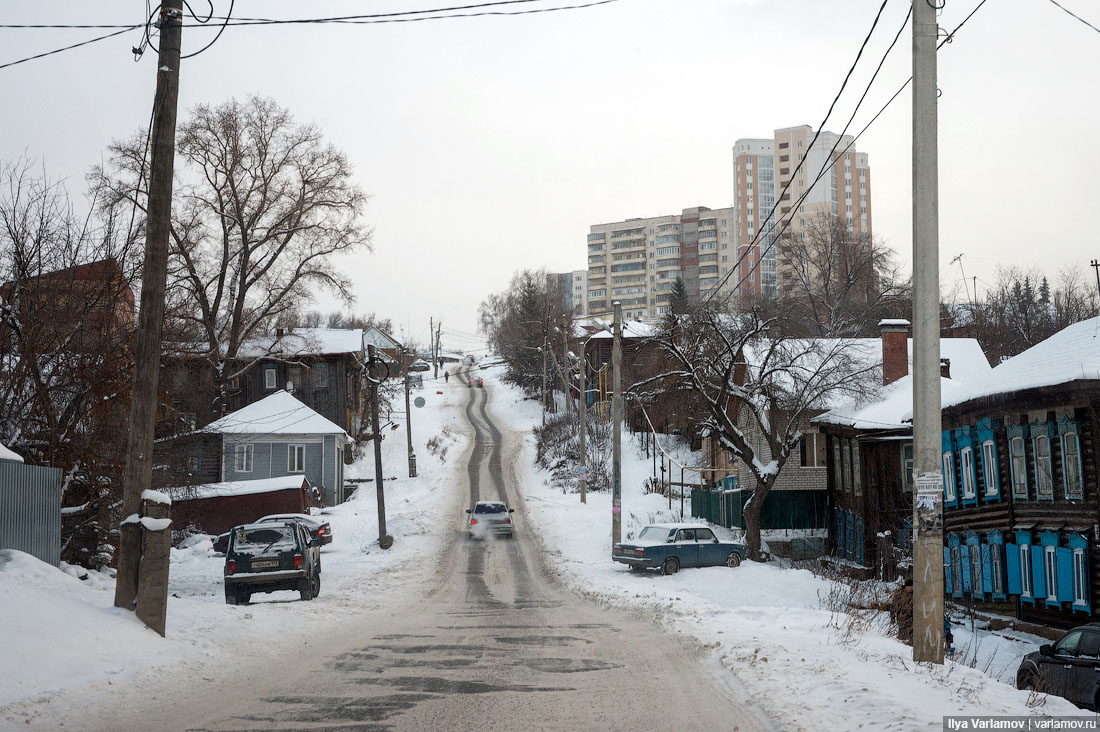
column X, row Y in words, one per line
column 379, row 338
column 631, row 329
column 1071, row 354
column 237, row 487
column 305, row 342
column 892, row 409
column 10, row 455
column 278, row 414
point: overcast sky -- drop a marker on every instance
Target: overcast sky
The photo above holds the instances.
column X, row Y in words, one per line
column 491, row 144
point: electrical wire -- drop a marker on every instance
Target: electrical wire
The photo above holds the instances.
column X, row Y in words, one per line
column 221, row 30
column 1075, row 15
column 68, row 48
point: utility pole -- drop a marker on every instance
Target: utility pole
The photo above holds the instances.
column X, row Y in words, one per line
column 137, row 475
column 617, row 427
column 928, row 501
column 438, row 350
column 1096, row 266
column 583, row 427
column 431, row 340
column 408, row 414
column 568, row 373
column 376, row 371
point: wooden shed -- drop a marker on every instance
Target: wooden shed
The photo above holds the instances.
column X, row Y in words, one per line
column 215, row 508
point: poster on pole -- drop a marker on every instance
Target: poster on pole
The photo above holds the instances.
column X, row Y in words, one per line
column 929, row 502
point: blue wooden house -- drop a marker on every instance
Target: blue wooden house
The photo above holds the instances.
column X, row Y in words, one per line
column 279, row 436
column 1021, row 494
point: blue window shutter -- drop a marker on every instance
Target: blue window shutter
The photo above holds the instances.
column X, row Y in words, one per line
column 948, row 574
column 1065, row 574
column 987, row 569
column 1012, row 564
column 1038, row 573
column 964, row 557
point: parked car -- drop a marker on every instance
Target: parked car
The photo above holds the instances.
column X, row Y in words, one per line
column 420, row 365
column 318, row 529
column 1069, row 669
column 669, row 547
column 270, row 556
column 490, row 517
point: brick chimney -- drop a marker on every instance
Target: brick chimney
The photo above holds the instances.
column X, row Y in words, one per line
column 895, row 349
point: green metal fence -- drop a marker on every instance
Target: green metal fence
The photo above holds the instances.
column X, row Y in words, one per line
column 782, row 509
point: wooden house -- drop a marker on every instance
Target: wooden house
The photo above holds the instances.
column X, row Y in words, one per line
column 1021, row 493
column 869, row 452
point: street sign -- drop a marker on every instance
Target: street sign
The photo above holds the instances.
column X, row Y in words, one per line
column 419, row 401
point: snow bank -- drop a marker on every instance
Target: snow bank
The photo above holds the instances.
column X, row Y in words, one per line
column 764, row 622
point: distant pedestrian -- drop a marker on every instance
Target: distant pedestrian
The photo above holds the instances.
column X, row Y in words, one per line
column 446, row 377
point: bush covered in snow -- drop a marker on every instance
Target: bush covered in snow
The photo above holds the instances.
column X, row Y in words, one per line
column 557, row 445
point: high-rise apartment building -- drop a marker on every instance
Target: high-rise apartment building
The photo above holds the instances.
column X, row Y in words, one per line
column 781, row 171
column 637, row 261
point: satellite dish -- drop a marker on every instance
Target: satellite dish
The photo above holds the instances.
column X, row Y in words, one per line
column 419, row 401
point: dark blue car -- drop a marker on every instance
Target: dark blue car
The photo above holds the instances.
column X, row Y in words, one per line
column 669, row 547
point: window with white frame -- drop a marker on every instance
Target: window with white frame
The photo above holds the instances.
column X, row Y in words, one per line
column 1080, row 578
column 989, row 467
column 1050, row 566
column 1025, row 570
column 296, row 459
column 1071, row 464
column 1044, row 483
column 907, row 467
column 995, row 567
column 857, row 474
column 949, row 476
column 270, row 379
column 846, row 471
column 966, row 465
column 1019, row 467
column 242, row 462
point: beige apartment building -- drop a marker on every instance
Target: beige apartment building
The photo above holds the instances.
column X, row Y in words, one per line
column 783, row 169
column 637, row 261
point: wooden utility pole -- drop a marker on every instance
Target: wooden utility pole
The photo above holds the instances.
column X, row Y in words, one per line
column 617, row 427
column 544, row 400
column 376, row 370
column 928, row 499
column 567, row 374
column 137, row 475
column 583, row 427
column 431, row 340
column 438, row 342
column 408, row 414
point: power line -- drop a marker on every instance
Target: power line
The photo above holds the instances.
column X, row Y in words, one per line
column 1075, row 15
column 221, row 30
column 69, row 48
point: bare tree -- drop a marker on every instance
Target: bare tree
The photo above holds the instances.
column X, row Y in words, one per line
column 834, row 281
column 754, row 382
column 66, row 317
column 264, row 207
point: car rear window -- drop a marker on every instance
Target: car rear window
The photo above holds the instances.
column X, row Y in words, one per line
column 653, row 533
column 490, row 508
column 273, row 538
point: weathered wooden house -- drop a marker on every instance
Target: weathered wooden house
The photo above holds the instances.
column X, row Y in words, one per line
column 214, row 508
column 1021, row 493
column 869, row 451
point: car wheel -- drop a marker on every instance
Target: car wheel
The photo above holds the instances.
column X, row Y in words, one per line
column 733, row 560
column 305, row 589
column 317, row 585
column 1025, row 682
column 671, row 566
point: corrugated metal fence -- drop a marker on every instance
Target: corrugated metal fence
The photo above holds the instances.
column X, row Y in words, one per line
column 30, row 510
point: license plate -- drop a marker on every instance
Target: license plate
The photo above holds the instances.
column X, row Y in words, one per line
column 267, row 564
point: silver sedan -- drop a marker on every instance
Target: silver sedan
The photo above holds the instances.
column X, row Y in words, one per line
column 489, row 518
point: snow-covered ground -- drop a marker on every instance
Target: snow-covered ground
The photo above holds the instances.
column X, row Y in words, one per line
column 62, row 636
column 767, row 623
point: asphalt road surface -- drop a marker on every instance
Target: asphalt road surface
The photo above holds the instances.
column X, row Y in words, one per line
column 491, row 643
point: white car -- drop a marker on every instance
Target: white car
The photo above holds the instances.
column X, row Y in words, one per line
column 420, row 365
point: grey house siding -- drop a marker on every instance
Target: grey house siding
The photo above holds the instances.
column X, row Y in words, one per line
column 30, row 510
column 271, row 459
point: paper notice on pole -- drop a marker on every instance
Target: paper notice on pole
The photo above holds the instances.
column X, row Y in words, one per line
column 929, row 502
column 616, row 510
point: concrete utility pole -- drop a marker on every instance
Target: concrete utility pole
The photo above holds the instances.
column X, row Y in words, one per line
column 544, row 399
column 408, row 414
column 438, row 343
column 583, row 481
column 431, row 340
column 376, row 371
column 617, row 427
column 137, row 475
column 928, row 501
column 568, row 372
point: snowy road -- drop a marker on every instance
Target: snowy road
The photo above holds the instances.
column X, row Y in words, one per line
column 489, row 642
